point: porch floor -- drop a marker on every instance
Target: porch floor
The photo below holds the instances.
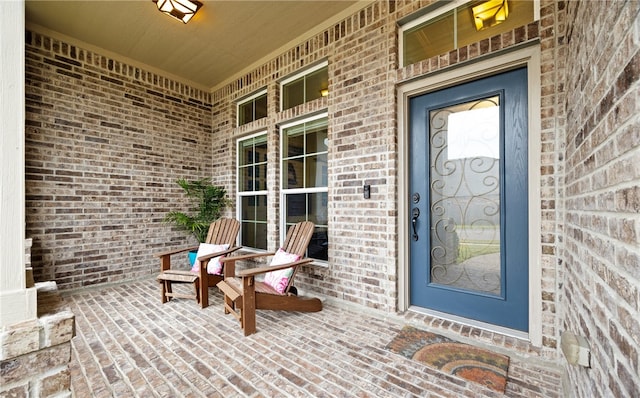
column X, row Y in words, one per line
column 128, row 344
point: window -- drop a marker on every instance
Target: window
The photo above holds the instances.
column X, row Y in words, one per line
column 252, row 191
column 252, row 108
column 304, row 179
column 306, row 86
column 454, row 26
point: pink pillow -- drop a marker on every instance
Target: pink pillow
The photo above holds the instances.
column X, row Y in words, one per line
column 214, row 266
column 280, row 279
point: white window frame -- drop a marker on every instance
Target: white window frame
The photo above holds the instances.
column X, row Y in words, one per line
column 248, row 99
column 308, row 71
column 240, row 194
column 283, row 191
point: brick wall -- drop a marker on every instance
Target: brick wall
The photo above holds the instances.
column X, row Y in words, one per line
column 602, row 256
column 105, row 143
column 35, row 355
column 363, row 149
column 361, row 53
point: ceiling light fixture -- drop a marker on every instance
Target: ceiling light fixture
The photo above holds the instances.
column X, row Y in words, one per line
column 182, row 10
column 490, row 13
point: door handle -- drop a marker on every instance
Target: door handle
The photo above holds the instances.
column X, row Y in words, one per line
column 415, row 213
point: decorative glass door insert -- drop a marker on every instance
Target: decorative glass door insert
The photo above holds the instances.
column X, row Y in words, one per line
column 465, row 195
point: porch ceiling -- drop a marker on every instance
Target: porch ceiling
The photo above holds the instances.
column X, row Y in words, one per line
column 224, row 38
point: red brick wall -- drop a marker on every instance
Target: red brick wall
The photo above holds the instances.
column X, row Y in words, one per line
column 601, row 292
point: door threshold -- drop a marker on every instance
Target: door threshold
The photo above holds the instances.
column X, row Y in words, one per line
column 518, row 334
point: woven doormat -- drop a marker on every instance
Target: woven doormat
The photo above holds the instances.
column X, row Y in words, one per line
column 463, row 360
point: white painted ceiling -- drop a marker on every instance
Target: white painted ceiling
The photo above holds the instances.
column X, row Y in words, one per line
column 222, row 40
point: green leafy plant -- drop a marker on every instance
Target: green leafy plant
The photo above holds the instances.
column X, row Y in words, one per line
column 209, row 201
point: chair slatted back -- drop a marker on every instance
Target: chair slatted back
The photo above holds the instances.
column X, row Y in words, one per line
column 298, row 238
column 223, row 230
column 297, row 241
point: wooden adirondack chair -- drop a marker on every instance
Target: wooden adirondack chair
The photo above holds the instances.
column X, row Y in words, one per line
column 243, row 294
column 223, row 231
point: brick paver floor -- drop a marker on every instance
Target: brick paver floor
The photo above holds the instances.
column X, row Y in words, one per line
column 128, row 344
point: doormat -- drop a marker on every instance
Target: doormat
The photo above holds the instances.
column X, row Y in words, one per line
column 463, row 360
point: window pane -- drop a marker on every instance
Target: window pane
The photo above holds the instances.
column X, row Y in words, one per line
column 316, row 171
column 260, row 107
column 296, row 208
column 319, row 244
column 261, row 149
column 317, row 139
column 248, row 207
column 252, row 109
column 246, row 153
column 312, row 207
column 317, row 208
column 260, row 177
column 294, row 143
column 315, row 83
column 430, row 39
column 260, row 240
column 248, row 234
column 293, row 94
column 261, row 208
column 246, row 180
column 254, row 221
column 245, row 113
column 294, row 177
column 254, row 235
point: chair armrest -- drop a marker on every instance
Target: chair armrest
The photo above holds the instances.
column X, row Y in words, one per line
column 245, row 257
column 216, row 254
column 176, row 251
column 263, row 270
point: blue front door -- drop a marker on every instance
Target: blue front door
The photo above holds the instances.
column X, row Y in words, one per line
column 469, row 200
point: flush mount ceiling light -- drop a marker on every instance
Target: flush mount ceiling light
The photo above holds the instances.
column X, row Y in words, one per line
column 490, row 13
column 182, row 10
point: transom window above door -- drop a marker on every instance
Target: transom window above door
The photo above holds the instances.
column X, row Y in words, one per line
column 459, row 23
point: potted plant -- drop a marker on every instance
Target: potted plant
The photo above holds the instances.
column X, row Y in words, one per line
column 208, row 202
